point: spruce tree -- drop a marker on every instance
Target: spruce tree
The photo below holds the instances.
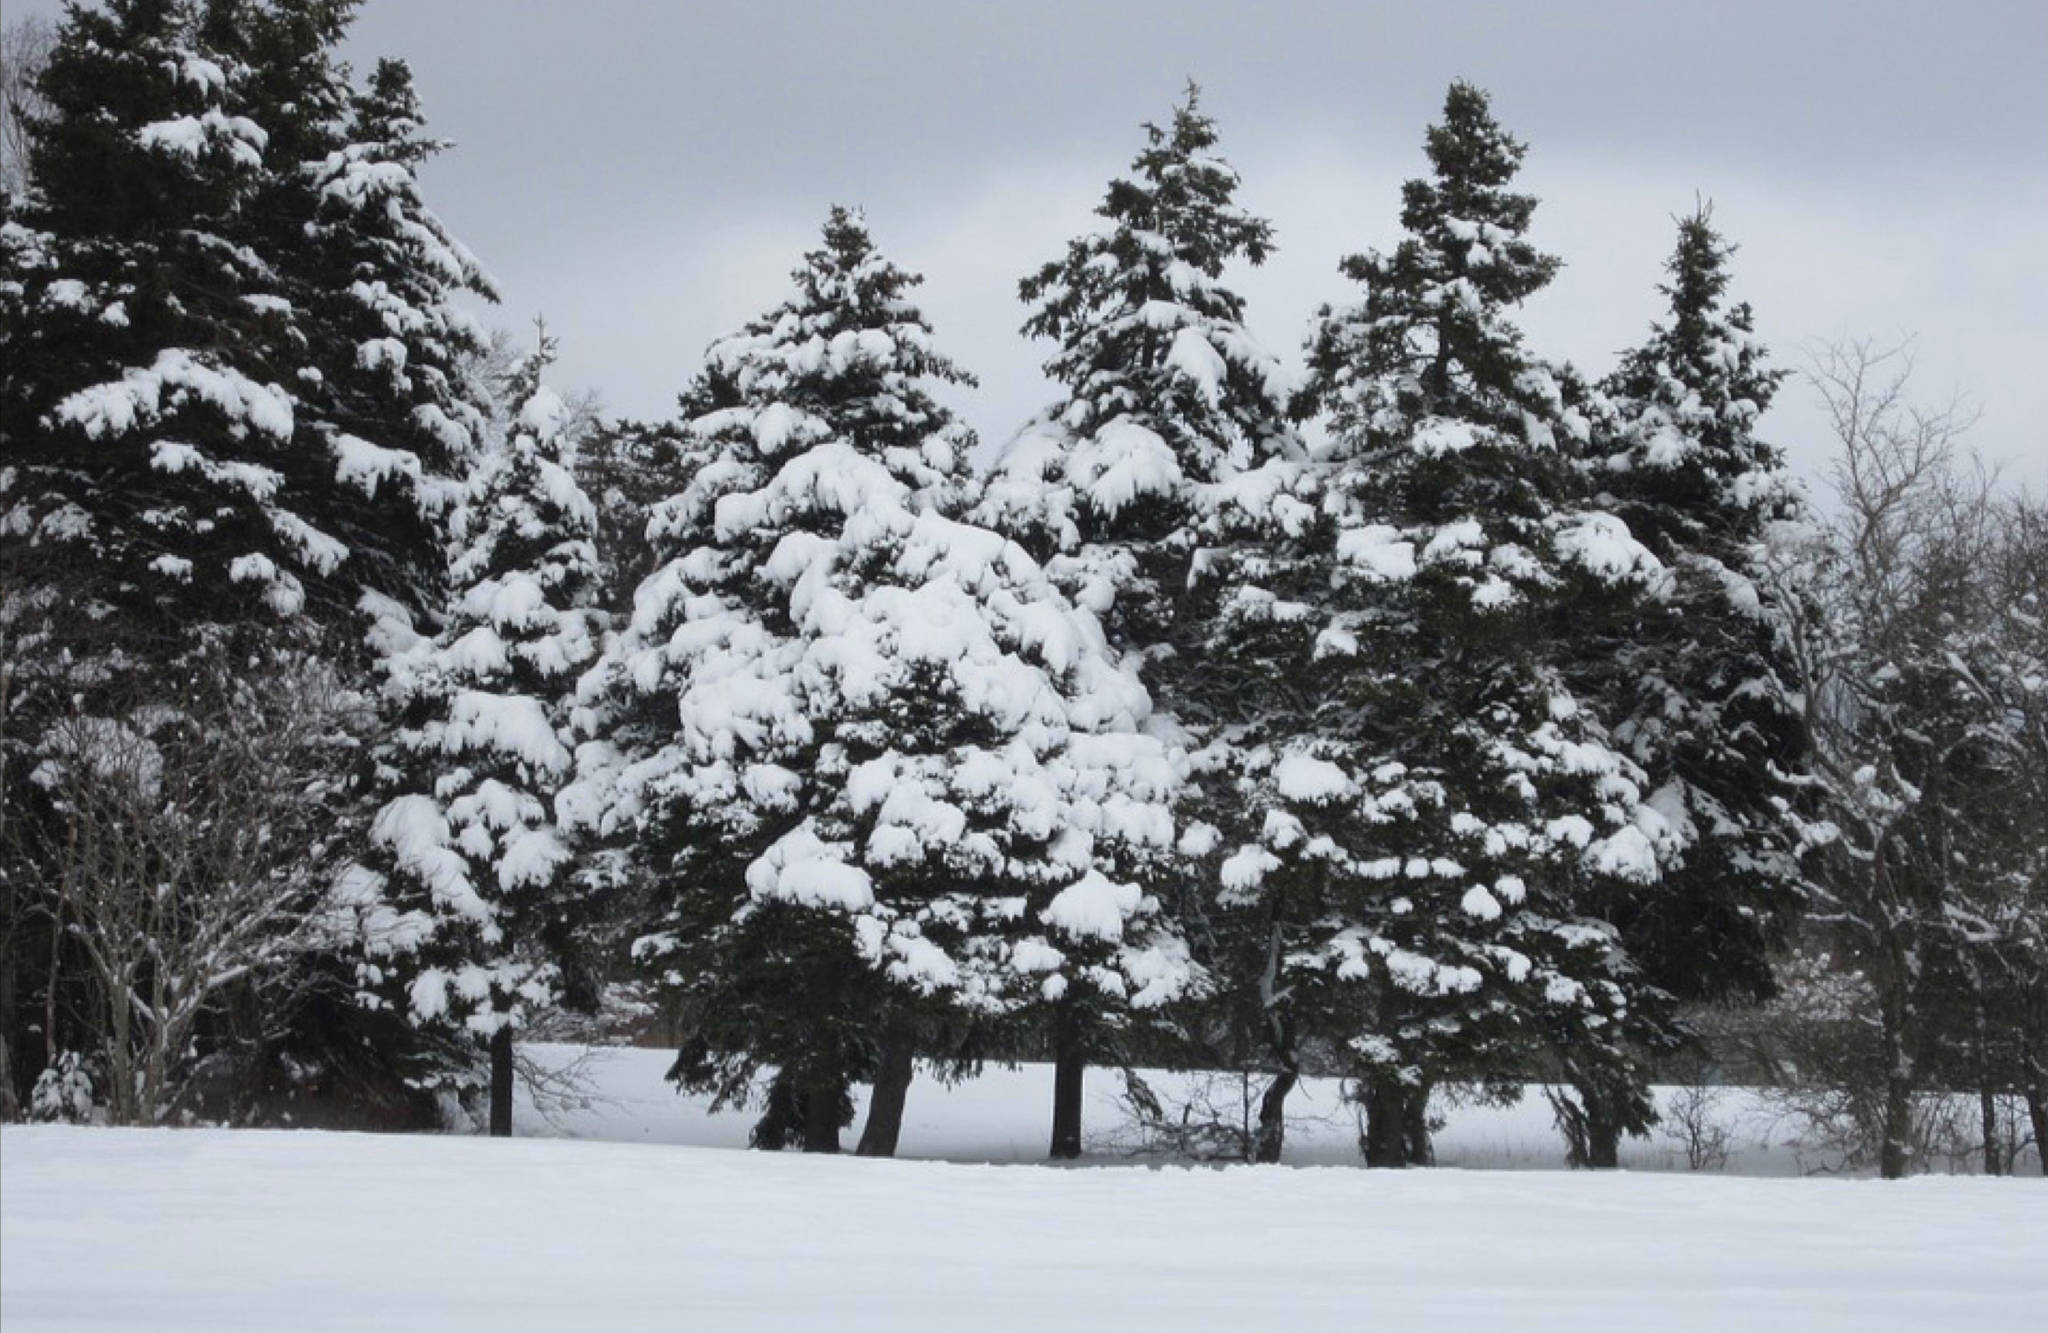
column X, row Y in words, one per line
column 1708, row 708
column 1165, row 390
column 1166, row 395
column 391, row 396
column 149, row 421
column 1698, row 684
column 890, row 780
column 194, row 480
column 1444, row 823
column 469, row 907
column 150, row 538
column 231, row 389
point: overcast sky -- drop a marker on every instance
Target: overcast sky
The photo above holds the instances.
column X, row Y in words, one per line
column 647, row 173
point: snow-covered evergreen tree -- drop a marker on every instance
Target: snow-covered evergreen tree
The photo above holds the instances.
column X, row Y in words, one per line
column 1165, row 390
column 195, row 456
column 1698, row 684
column 149, row 424
column 469, row 906
column 390, row 395
column 230, row 388
column 889, row 779
column 1166, row 395
column 151, row 535
column 1708, row 708
column 1440, row 822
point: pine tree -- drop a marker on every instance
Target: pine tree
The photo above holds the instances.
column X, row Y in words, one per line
column 470, row 907
column 1165, row 389
column 231, row 388
column 148, row 422
column 1699, row 684
column 890, row 781
column 1166, row 395
column 1441, row 821
column 192, row 466
column 298, row 89
column 148, row 537
column 390, row 397
column 1710, row 711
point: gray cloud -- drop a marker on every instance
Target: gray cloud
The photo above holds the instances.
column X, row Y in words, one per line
column 647, row 173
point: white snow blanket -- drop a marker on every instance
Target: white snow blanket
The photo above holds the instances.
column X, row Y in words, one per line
column 213, row 1230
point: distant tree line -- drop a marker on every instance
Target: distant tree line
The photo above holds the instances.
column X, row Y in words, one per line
column 1444, row 716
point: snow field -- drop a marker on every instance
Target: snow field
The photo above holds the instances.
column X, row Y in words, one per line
column 214, row 1230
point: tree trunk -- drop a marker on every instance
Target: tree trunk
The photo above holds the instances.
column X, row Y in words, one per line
column 1272, row 1133
column 1987, row 1077
column 1415, row 1143
column 1895, row 1159
column 10, row 1100
column 821, row 1117
column 2037, row 1113
column 1385, row 1141
column 781, row 1121
column 892, row 1084
column 50, row 1051
column 1601, row 1150
column 501, row 1082
column 120, row 1055
column 1603, row 1144
column 1895, row 1156
column 1272, row 1130
column 1069, row 1063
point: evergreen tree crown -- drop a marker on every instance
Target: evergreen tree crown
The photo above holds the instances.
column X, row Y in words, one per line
column 1431, row 340
column 847, row 360
column 1147, row 333
column 893, row 766
column 1688, row 399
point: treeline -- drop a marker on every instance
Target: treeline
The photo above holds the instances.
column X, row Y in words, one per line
column 1448, row 716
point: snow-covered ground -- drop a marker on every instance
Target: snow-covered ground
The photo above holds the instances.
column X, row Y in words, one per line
column 212, row 1230
column 658, row 1228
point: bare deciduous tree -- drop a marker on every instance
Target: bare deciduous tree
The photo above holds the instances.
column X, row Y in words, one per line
column 182, row 855
column 25, row 46
column 1896, row 632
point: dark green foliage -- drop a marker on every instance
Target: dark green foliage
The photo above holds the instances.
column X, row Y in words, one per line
column 1165, row 391
column 1701, row 684
column 470, row 910
column 880, row 775
column 188, row 470
column 1434, row 825
column 389, row 396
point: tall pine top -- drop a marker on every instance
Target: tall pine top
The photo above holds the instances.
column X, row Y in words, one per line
column 1166, row 390
column 1431, row 339
column 846, row 360
column 1689, row 467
